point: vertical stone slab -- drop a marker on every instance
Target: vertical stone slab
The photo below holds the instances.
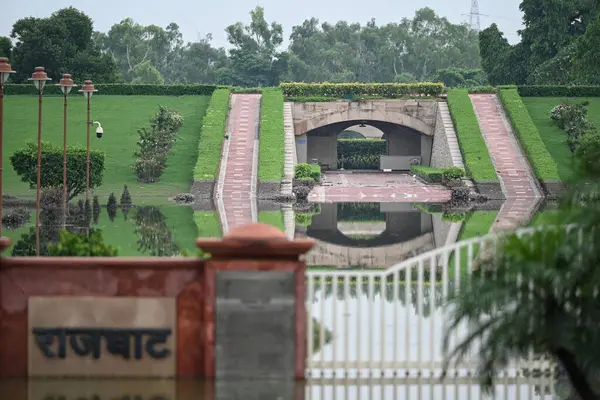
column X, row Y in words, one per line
column 255, row 305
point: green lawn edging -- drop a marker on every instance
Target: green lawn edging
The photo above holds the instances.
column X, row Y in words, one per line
column 478, row 163
column 211, row 136
column 271, row 140
column 539, row 157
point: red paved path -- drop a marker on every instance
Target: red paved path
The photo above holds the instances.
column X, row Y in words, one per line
column 522, row 195
column 237, row 183
column 376, row 188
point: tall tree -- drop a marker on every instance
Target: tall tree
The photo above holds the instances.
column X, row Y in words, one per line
column 61, row 43
column 200, row 63
column 254, row 53
column 5, row 47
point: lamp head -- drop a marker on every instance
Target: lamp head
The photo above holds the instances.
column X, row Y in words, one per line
column 5, row 70
column 39, row 78
column 88, row 89
column 66, row 84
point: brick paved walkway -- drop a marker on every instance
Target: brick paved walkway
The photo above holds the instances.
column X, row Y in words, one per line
column 237, row 178
column 376, row 188
column 512, row 167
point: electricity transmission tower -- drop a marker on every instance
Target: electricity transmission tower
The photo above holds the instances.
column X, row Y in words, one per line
column 474, row 22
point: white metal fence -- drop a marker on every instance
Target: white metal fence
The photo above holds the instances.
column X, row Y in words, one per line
column 391, row 323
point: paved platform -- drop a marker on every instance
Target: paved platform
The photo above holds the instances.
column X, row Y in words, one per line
column 377, row 187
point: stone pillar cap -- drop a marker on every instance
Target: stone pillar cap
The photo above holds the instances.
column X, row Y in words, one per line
column 254, row 241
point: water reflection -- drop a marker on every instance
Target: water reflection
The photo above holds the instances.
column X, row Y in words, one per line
column 371, row 235
column 375, row 389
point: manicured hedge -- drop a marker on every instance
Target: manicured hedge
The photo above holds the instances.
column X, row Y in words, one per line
column 543, row 164
column 122, row 90
column 341, row 90
column 475, row 153
column 429, row 174
column 360, row 153
column 558, row 91
column 271, row 151
column 211, row 136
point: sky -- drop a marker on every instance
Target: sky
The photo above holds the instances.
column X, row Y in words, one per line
column 198, row 18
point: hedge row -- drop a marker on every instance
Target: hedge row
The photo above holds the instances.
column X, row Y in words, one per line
column 437, row 175
column 348, row 90
column 557, row 91
column 478, row 162
column 211, row 136
column 360, row 153
column 271, row 151
column 122, row 90
column 543, row 164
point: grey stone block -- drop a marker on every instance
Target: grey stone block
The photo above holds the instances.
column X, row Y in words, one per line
column 268, row 190
column 203, row 189
column 491, row 190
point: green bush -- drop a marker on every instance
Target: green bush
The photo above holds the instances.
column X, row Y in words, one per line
column 360, row 153
column 453, row 173
column 482, row 89
column 122, row 90
column 211, row 136
column 543, row 164
column 453, row 216
column 430, row 174
column 76, row 245
column 308, row 171
column 558, row 91
column 24, row 162
column 472, row 146
column 303, row 219
column 271, row 148
column 342, row 90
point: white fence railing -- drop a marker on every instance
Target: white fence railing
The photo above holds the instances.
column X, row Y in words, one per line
column 391, row 323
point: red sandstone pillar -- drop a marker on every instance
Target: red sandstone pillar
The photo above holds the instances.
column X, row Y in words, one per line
column 254, row 248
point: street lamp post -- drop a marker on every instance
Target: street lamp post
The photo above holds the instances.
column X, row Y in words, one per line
column 39, row 79
column 65, row 84
column 5, row 71
column 88, row 90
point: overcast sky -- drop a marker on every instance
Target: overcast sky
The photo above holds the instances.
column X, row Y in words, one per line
column 197, row 18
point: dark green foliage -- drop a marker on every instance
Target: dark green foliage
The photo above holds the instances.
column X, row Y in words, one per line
column 454, row 216
column 360, row 153
column 24, row 162
column 339, row 90
column 82, row 245
column 125, row 197
column 430, row 174
column 360, row 212
column 453, row 173
column 458, row 77
column 118, row 89
column 154, row 144
column 5, row 47
column 588, row 154
column 16, row 218
column 95, row 210
column 558, row 91
column 154, row 236
column 112, row 206
column 572, row 118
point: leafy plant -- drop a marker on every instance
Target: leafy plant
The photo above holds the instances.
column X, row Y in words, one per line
column 308, row 171
column 154, row 236
column 572, row 118
column 24, row 162
column 360, row 153
column 76, row 245
column 112, row 206
column 453, row 173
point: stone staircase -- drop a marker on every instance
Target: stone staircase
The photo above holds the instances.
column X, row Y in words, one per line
column 455, row 154
column 289, row 149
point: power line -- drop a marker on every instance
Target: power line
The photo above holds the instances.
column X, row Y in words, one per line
column 474, row 22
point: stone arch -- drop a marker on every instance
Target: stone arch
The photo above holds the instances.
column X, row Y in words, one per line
column 415, row 114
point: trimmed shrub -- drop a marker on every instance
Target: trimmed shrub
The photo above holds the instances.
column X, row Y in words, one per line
column 211, row 136
column 453, row 173
column 308, row 171
column 478, row 162
column 449, row 216
column 349, row 90
column 75, row 245
column 118, row 89
column 271, row 146
column 543, row 164
column 430, row 174
column 24, row 162
column 558, row 91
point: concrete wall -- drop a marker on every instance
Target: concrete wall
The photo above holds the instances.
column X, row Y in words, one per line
column 440, row 151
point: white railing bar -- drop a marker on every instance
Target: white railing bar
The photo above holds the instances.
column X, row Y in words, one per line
column 420, row 310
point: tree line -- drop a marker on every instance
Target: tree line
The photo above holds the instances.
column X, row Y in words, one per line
column 558, row 45
column 426, row 47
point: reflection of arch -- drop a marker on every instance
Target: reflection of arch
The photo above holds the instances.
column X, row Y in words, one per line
column 361, row 131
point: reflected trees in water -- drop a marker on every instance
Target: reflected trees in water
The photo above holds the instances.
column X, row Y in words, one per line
column 154, row 236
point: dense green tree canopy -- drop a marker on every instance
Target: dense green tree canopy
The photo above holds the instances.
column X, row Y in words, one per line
column 61, row 43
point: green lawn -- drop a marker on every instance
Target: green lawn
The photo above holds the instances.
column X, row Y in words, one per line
column 273, row 218
column 208, row 224
column 271, row 146
column 554, row 138
column 121, row 117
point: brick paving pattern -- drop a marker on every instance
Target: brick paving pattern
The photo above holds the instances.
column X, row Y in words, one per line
column 376, row 188
column 522, row 194
column 237, row 183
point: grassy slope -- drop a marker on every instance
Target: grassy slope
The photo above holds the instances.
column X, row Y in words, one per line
column 542, row 162
column 208, row 224
column 121, row 117
column 273, row 218
column 271, row 146
column 472, row 145
column 207, row 150
column 554, row 138
column 477, row 224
